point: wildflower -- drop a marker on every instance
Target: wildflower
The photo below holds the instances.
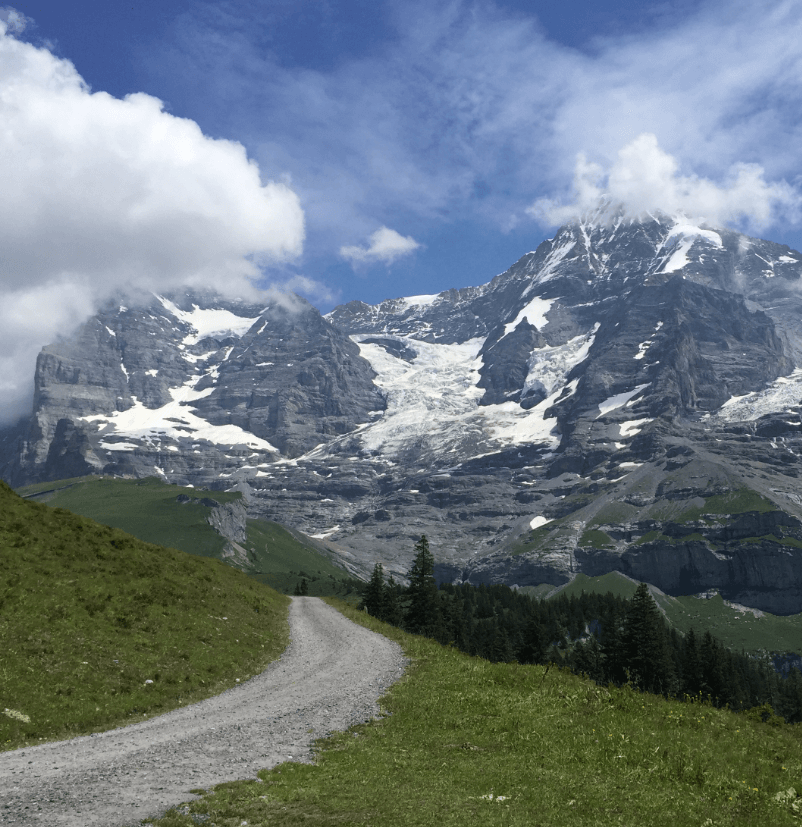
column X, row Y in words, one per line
column 17, row 715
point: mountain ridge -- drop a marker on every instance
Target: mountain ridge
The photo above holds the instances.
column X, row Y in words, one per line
column 642, row 367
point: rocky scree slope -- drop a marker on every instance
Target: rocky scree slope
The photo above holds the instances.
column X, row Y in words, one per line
column 626, row 397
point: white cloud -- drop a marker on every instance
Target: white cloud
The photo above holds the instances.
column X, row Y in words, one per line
column 645, row 179
column 315, row 291
column 469, row 113
column 386, row 245
column 102, row 195
column 16, row 22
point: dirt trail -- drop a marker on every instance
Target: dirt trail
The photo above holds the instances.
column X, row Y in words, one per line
column 329, row 678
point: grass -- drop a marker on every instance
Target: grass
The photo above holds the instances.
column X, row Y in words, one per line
column 618, row 584
column 735, row 502
column 467, row 742
column 594, row 538
column 146, row 508
column 149, row 509
column 614, row 512
column 734, row 628
column 89, row 615
column 531, row 540
column 282, row 560
column 739, row 630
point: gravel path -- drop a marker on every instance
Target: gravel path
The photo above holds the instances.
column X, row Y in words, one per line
column 329, row 678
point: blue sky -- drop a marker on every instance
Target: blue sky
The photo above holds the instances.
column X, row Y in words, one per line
column 445, row 123
column 368, row 149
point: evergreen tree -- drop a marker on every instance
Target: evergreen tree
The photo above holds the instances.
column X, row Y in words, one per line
column 422, row 613
column 587, row 659
column 393, row 613
column 644, row 645
column 691, row 665
column 374, row 599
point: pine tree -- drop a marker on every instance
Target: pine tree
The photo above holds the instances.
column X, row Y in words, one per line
column 644, row 645
column 374, row 600
column 393, row 613
column 691, row 665
column 422, row 613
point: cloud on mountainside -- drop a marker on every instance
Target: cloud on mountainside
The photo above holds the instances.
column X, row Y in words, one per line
column 645, row 179
column 468, row 111
column 102, row 195
column 386, row 245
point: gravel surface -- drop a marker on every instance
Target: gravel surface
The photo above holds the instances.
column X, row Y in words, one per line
column 329, row 678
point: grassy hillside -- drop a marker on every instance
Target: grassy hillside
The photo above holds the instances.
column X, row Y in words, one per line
column 148, row 509
column 282, row 560
column 99, row 629
column 735, row 628
column 469, row 743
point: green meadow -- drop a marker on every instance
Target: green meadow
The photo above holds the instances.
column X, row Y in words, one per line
column 467, row 742
column 99, row 629
column 149, row 509
column 146, row 508
column 736, row 628
column 283, row 560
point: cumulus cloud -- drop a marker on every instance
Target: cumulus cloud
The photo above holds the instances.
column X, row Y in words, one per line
column 645, row 179
column 469, row 112
column 386, row 245
column 101, row 195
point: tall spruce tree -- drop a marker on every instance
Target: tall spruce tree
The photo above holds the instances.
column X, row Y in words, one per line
column 644, row 645
column 422, row 612
column 374, row 600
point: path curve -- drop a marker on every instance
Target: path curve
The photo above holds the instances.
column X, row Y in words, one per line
column 328, row 679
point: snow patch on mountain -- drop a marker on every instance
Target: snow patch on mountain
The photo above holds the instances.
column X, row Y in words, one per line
column 690, row 234
column 782, row 394
column 427, row 397
column 644, row 346
column 433, row 401
column 550, row 266
column 174, row 420
column 632, row 427
column 420, row 301
column 549, row 365
column 218, row 323
column 534, row 312
column 619, row 400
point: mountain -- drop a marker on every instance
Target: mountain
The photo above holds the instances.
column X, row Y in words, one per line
column 626, row 397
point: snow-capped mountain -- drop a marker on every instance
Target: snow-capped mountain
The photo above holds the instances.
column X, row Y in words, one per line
column 604, row 404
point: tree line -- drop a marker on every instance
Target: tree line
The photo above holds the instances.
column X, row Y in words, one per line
column 608, row 638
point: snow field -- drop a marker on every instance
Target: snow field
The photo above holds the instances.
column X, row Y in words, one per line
column 176, row 419
column 783, row 393
column 218, row 323
column 434, row 400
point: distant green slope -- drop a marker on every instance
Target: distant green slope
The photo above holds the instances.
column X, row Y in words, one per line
column 149, row 509
column 282, row 560
column 98, row 628
column 737, row 629
column 146, row 508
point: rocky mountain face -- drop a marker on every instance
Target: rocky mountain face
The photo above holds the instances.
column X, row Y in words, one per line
column 625, row 397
